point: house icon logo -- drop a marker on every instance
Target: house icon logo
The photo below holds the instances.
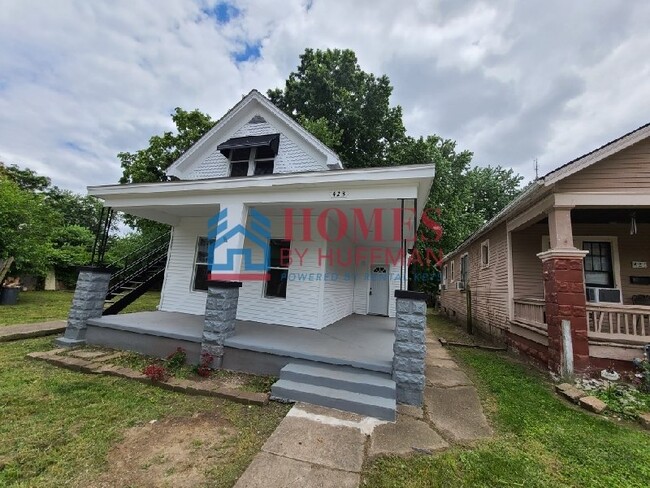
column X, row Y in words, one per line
column 256, row 234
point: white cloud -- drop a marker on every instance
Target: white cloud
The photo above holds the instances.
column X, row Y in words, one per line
column 512, row 81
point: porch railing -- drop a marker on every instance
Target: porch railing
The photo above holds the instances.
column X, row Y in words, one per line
column 619, row 322
column 531, row 311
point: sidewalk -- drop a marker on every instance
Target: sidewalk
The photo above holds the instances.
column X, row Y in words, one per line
column 25, row 331
column 322, row 447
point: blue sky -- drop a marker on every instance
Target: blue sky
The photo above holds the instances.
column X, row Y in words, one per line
column 511, row 81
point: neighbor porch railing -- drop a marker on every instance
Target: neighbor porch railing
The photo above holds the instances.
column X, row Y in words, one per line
column 619, row 322
column 531, row 311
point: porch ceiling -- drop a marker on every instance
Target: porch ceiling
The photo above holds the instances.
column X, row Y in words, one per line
column 605, row 216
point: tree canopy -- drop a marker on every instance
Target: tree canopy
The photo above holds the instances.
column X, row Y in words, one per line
column 43, row 226
column 331, row 90
column 150, row 164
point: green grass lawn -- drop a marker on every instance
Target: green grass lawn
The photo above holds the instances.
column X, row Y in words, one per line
column 57, row 426
column 540, row 440
column 43, row 306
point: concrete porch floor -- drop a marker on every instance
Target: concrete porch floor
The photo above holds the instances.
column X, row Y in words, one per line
column 362, row 341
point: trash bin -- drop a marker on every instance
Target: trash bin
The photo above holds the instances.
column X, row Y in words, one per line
column 9, row 295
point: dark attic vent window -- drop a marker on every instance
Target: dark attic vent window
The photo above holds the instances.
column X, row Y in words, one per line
column 251, row 155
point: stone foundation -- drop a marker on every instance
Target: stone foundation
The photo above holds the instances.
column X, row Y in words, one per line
column 220, row 315
column 409, row 348
column 87, row 303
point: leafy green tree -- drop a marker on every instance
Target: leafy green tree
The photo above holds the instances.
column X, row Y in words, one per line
column 150, row 164
column 77, row 210
column 26, row 179
column 330, row 87
column 26, row 227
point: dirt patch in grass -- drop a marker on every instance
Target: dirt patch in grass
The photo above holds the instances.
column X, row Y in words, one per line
column 173, row 452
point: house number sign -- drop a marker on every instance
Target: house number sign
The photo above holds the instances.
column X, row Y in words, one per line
column 339, row 194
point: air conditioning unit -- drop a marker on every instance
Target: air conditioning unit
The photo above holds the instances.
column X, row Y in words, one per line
column 603, row 295
column 460, row 285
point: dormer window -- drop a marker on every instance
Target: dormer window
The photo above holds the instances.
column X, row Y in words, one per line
column 252, row 155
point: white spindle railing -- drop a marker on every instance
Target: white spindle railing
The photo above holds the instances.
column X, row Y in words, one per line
column 531, row 311
column 613, row 322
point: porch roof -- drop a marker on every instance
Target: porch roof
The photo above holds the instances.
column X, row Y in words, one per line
column 169, row 201
column 544, row 187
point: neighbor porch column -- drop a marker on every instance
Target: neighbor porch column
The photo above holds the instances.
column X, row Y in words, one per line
column 87, row 303
column 564, row 291
column 409, row 349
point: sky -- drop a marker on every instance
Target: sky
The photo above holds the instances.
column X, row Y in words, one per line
column 511, row 81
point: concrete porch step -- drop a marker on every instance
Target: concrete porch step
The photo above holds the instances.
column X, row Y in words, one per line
column 339, row 377
column 370, row 405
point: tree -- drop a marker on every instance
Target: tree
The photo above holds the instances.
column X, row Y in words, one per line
column 26, row 226
column 329, row 88
column 150, row 164
column 78, row 210
column 26, row 179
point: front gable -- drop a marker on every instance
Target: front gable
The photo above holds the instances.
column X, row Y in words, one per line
column 298, row 151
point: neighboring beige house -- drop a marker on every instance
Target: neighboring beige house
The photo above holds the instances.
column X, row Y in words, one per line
column 574, row 246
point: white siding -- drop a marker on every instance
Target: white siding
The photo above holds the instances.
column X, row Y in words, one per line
column 302, row 306
column 361, row 289
column 338, row 293
column 291, row 157
column 177, row 294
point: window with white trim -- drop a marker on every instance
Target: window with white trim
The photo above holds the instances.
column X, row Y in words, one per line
column 451, row 267
column 200, row 278
column 464, row 268
column 485, row 254
column 250, row 161
column 278, row 270
column 444, row 274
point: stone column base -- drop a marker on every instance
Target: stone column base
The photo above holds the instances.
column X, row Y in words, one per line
column 409, row 348
column 220, row 315
column 88, row 302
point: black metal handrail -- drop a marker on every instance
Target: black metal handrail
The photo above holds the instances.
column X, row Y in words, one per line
column 138, row 261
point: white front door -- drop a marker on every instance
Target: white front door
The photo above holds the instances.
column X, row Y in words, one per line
column 378, row 293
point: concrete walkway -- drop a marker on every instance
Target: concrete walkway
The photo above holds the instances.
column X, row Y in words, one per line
column 25, row 331
column 322, row 447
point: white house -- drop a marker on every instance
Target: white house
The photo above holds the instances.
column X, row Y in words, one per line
column 323, row 246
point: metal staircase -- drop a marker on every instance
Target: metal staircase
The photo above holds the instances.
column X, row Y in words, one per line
column 136, row 273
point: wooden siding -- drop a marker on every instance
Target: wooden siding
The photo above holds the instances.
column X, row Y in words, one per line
column 526, row 266
column 489, row 285
column 628, row 169
column 527, row 269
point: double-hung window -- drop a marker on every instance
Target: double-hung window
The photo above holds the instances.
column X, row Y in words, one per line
column 464, row 268
column 598, row 264
column 278, row 271
column 201, row 271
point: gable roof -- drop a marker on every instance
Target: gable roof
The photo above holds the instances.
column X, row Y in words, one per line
column 543, row 185
column 332, row 158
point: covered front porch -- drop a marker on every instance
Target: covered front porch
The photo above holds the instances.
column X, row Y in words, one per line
column 611, row 245
column 359, row 341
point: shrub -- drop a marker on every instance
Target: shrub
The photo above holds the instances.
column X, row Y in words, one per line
column 176, row 360
column 204, row 368
column 156, row 372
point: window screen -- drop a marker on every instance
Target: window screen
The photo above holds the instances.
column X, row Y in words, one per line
column 598, row 264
